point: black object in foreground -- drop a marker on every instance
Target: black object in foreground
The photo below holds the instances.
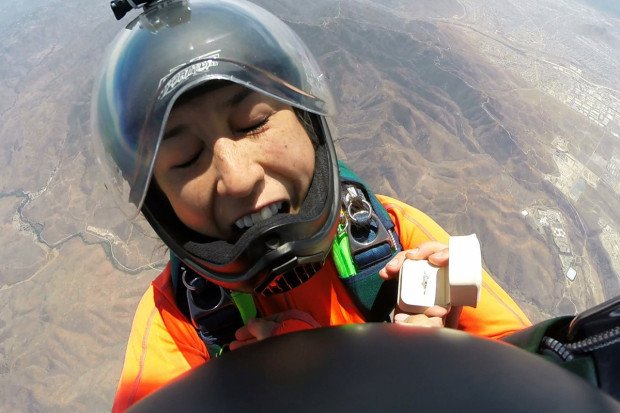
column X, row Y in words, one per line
column 379, row 368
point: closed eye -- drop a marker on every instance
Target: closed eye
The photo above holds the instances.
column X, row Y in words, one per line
column 254, row 129
column 190, row 162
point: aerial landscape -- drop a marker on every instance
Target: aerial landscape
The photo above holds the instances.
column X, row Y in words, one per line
column 495, row 118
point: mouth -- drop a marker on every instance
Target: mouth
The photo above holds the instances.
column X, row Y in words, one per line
column 242, row 224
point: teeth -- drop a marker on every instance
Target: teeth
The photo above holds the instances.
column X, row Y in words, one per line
column 265, row 213
column 247, row 220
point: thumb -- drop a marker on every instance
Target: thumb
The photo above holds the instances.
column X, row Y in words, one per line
column 439, row 258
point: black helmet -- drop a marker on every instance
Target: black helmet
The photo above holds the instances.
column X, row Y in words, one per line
column 178, row 45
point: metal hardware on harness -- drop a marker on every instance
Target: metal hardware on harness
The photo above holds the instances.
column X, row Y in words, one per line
column 359, row 214
column 193, row 286
column 358, row 209
column 198, row 313
column 189, row 285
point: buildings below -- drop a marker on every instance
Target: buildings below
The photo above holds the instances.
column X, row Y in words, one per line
column 597, row 103
column 551, row 225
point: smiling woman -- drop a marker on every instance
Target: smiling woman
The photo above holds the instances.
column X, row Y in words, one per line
column 231, row 158
column 212, row 121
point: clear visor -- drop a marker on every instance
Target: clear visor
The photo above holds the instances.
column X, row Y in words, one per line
column 179, row 46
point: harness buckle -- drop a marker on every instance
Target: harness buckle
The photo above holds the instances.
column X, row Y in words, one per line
column 212, row 310
column 364, row 228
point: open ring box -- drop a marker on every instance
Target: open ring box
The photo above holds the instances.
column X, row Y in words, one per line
column 423, row 285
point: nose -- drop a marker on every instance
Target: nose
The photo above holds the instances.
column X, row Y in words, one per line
column 239, row 174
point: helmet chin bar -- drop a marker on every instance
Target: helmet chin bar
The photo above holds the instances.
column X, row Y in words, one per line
column 284, row 277
column 272, row 256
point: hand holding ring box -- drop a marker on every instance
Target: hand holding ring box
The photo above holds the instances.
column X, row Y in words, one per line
column 423, row 285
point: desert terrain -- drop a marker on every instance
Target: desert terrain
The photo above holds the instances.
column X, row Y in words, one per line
column 500, row 118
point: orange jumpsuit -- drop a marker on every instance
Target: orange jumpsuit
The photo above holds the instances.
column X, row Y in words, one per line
column 163, row 344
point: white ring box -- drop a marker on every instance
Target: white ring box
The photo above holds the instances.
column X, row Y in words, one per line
column 423, row 285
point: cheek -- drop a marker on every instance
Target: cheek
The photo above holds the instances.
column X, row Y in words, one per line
column 193, row 197
column 305, row 157
column 306, row 160
column 295, row 152
column 190, row 205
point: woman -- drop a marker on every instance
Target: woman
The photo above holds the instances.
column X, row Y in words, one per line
column 211, row 118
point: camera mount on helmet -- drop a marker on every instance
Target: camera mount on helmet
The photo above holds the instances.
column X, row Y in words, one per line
column 121, row 7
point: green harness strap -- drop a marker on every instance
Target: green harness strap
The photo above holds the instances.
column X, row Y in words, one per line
column 341, row 254
column 245, row 305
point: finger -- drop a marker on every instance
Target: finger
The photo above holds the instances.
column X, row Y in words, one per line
column 243, row 333
column 435, row 322
column 436, row 311
column 261, row 328
column 294, row 314
column 238, row 344
column 433, row 311
column 400, row 317
column 418, row 320
column 392, row 268
column 426, row 249
column 439, row 258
